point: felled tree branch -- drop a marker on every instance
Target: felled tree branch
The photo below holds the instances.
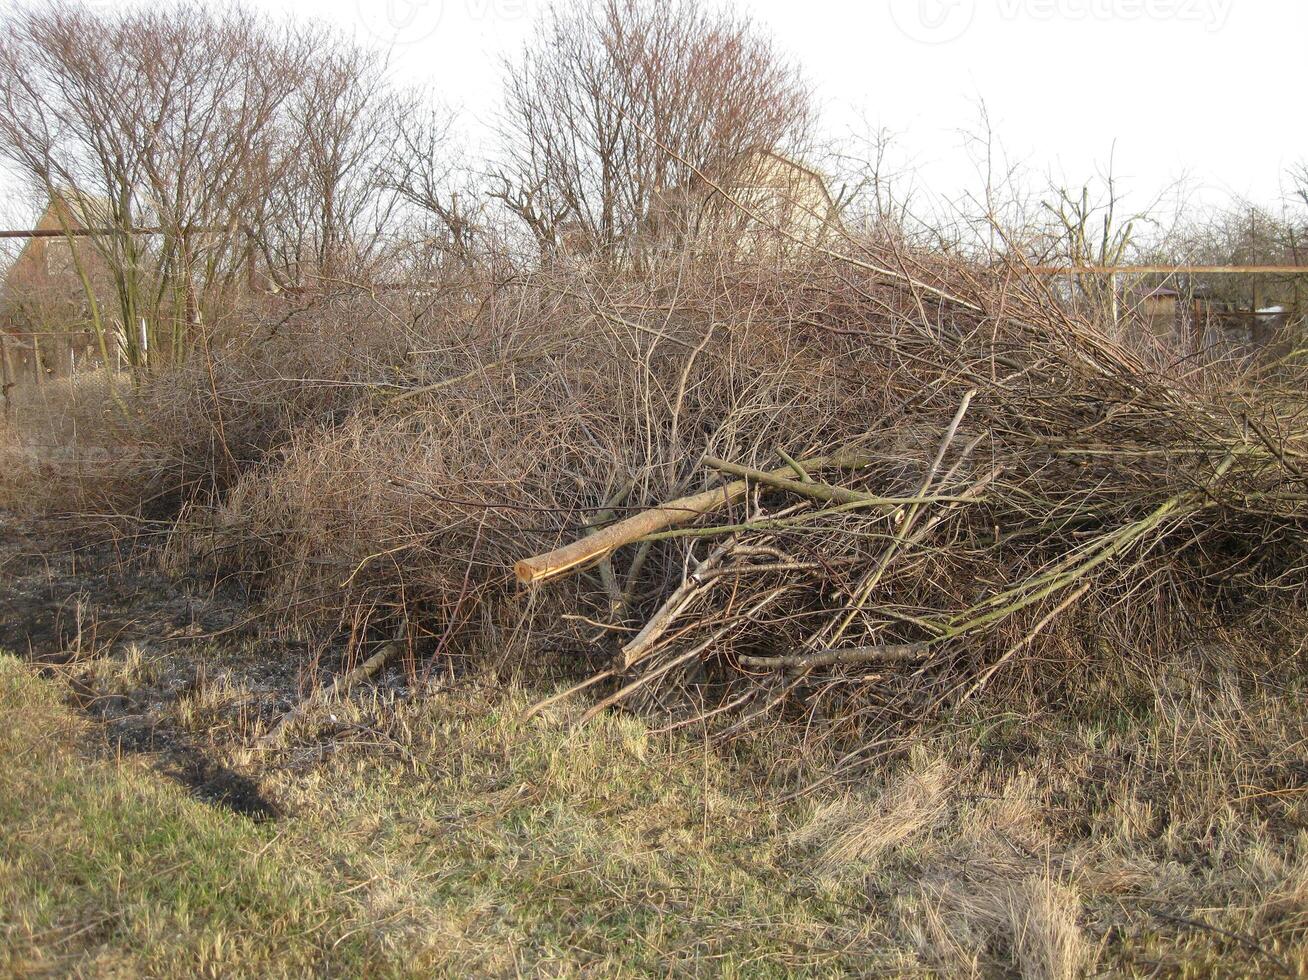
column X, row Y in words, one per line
column 597, row 545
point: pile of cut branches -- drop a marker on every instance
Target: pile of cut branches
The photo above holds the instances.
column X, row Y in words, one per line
column 1042, row 499
column 854, row 488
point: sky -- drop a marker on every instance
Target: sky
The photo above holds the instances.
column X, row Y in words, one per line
column 1200, row 91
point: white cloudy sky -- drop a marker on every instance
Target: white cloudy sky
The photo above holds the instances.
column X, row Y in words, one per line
column 1202, row 89
column 1207, row 90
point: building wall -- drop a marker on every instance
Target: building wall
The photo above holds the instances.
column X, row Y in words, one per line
column 43, row 304
column 787, row 204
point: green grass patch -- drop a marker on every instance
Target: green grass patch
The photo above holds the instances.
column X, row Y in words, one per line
column 108, row 869
column 460, row 841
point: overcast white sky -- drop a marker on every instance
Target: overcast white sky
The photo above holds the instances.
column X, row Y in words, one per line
column 1205, row 89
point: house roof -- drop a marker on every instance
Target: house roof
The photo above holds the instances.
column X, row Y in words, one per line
column 79, row 211
column 1160, row 292
column 84, row 210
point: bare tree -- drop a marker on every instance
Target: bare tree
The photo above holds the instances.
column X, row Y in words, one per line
column 332, row 205
column 1098, row 225
column 439, row 190
column 879, row 194
column 612, row 102
column 160, row 117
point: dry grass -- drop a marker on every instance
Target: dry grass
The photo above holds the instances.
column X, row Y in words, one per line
column 1160, row 829
column 57, row 439
column 854, row 839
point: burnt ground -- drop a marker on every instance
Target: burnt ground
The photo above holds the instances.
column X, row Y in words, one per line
column 133, row 643
column 64, row 594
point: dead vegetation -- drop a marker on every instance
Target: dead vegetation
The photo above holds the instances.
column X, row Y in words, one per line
column 915, row 605
column 881, row 493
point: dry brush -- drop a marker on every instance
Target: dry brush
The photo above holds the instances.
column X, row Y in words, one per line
column 859, row 490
